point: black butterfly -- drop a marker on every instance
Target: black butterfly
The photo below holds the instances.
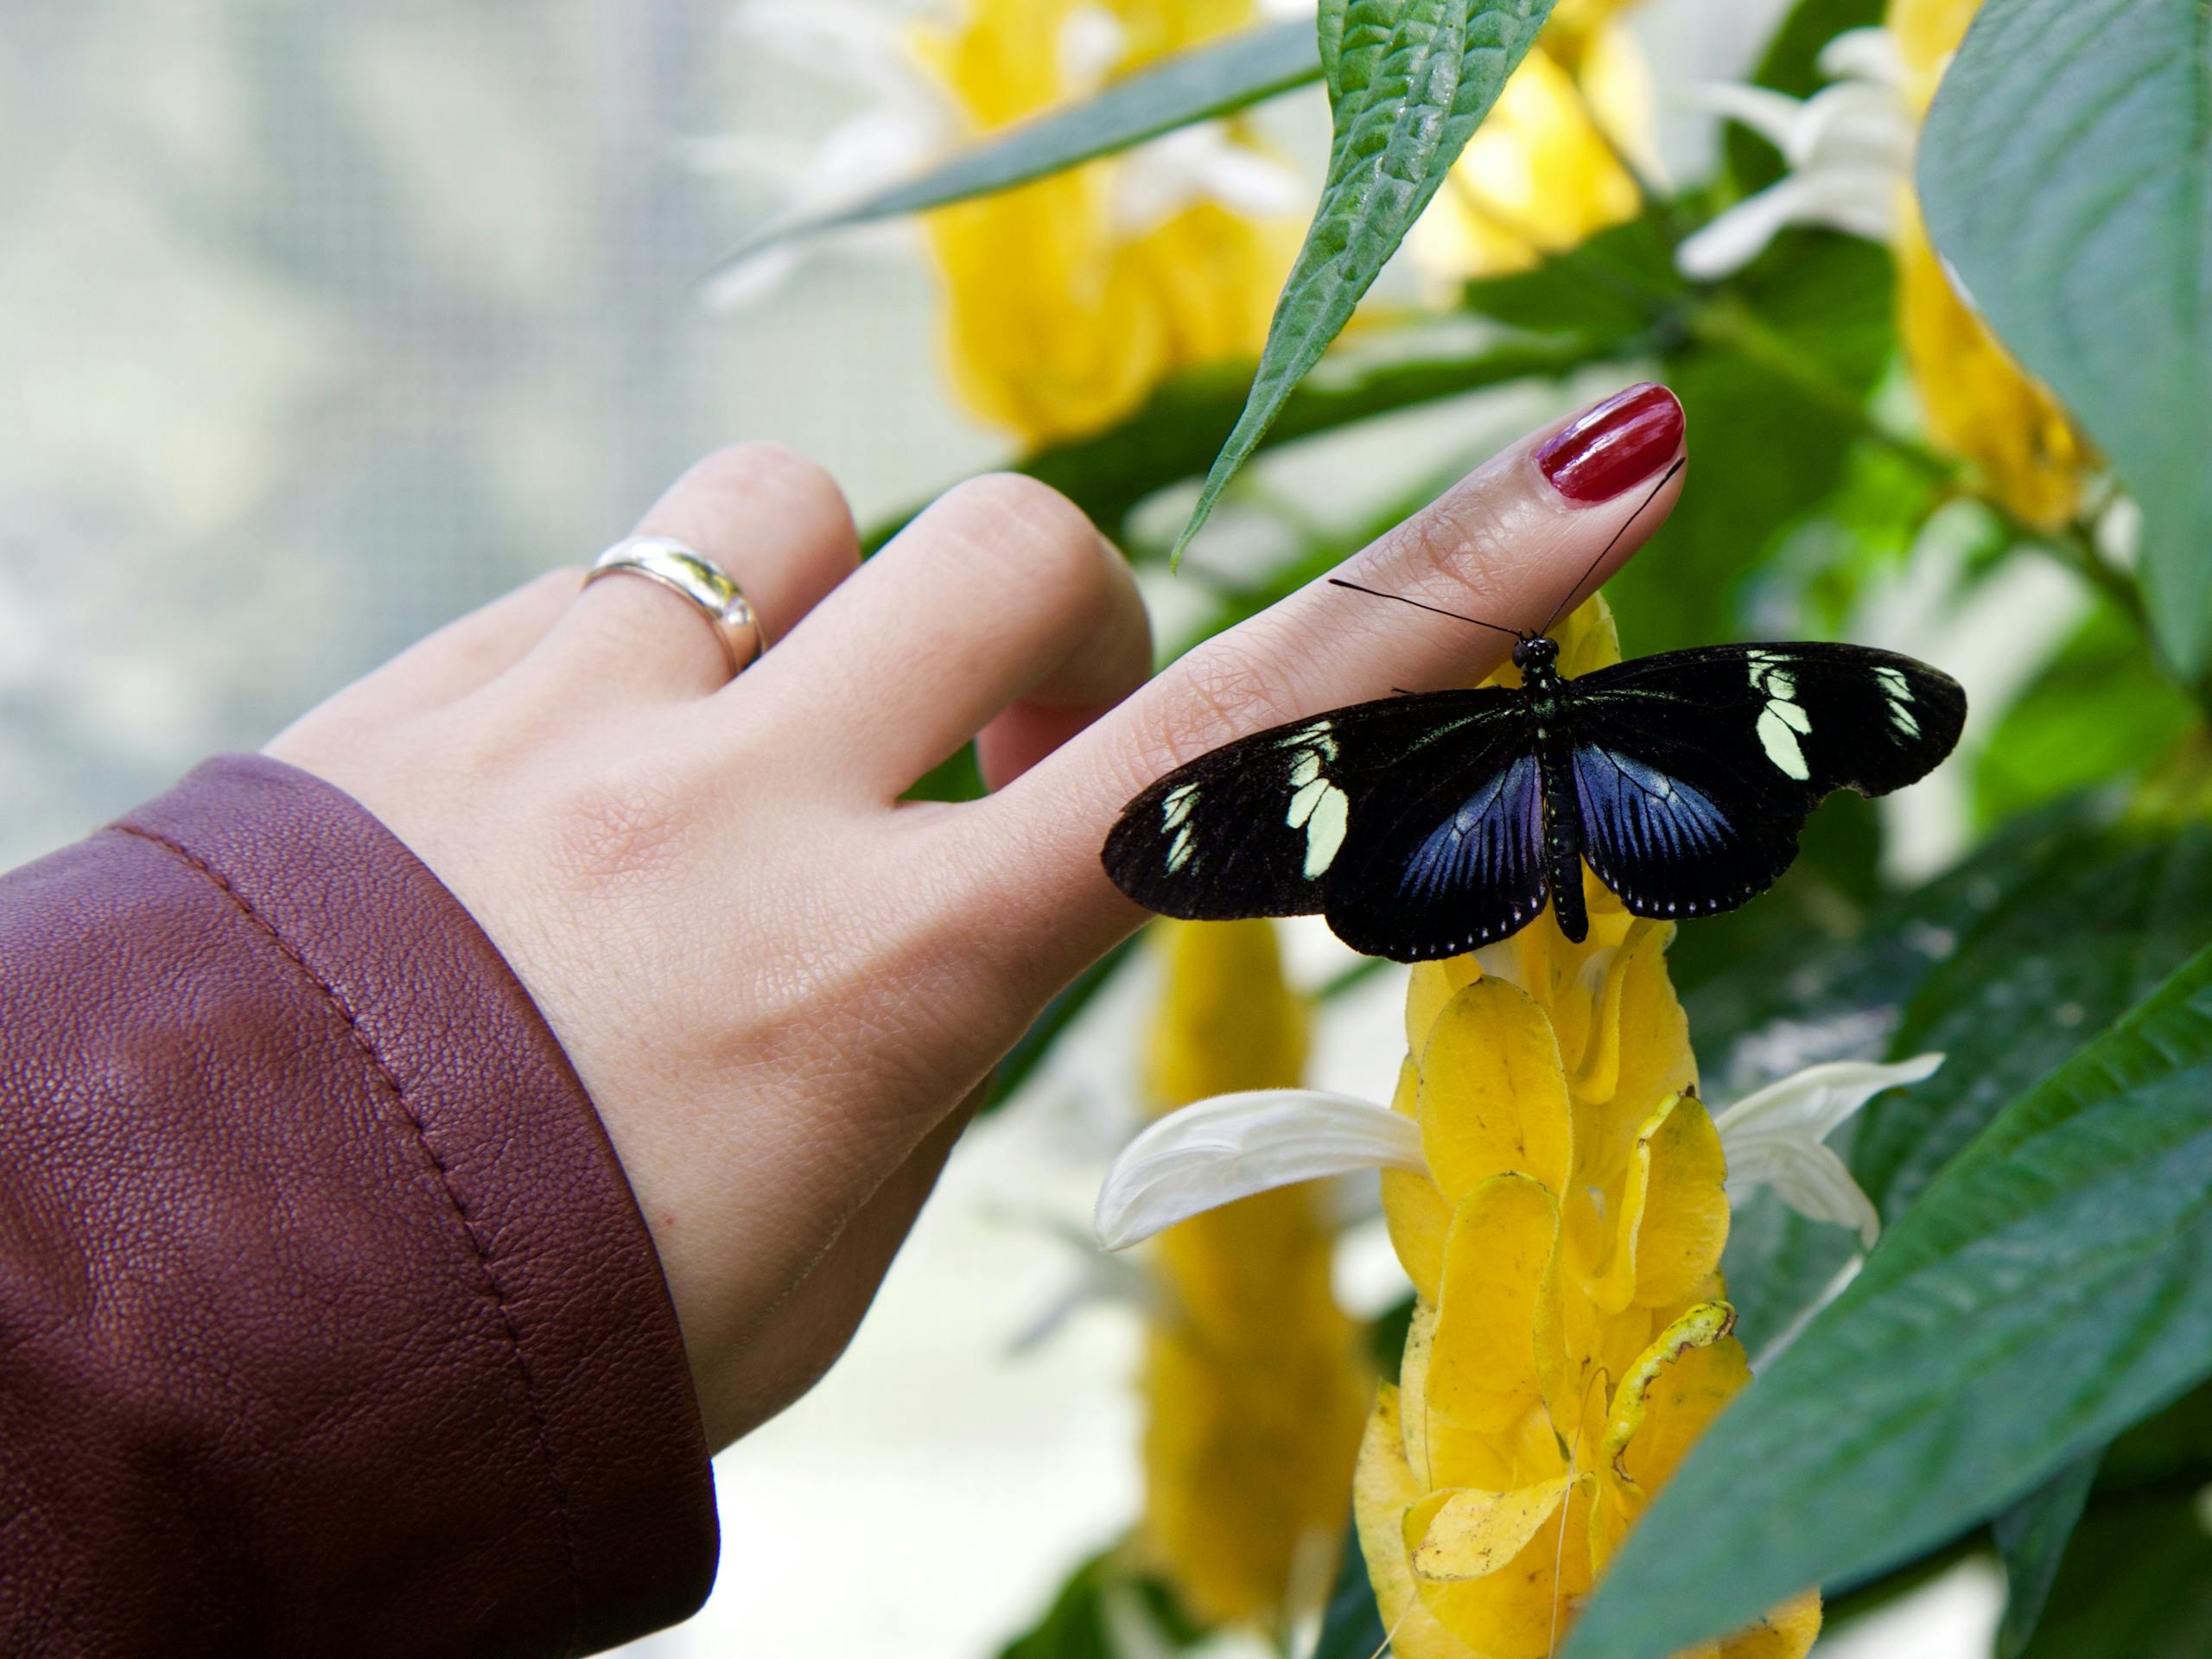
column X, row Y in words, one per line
column 1426, row 825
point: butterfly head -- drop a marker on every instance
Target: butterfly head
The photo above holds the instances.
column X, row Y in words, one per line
column 1536, row 651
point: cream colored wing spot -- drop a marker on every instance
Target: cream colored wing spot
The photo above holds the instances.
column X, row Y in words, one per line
column 1324, row 811
column 1783, row 721
column 1898, row 690
column 1780, row 727
column 1174, row 810
column 1317, row 806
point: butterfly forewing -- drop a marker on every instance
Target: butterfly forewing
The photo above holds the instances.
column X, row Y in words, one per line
column 1694, row 770
column 1403, row 818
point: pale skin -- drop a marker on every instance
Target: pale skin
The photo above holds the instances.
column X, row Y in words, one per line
column 781, row 987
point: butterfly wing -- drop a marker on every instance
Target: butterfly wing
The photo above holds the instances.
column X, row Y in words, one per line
column 1414, row 823
column 1694, row 770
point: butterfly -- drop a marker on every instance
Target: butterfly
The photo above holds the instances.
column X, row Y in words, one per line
column 1429, row 824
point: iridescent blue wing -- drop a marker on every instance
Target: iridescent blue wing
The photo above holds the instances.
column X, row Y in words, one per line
column 1414, row 823
column 1694, row 770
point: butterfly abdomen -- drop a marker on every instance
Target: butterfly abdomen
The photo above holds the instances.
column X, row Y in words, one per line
column 1562, row 810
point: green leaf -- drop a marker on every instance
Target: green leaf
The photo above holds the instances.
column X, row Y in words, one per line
column 1097, row 1601
column 2067, row 173
column 2099, row 712
column 2054, row 1285
column 1615, row 287
column 2031, row 1538
column 1352, row 1626
column 1411, row 81
column 2137, row 1583
column 2040, row 938
column 1201, row 85
column 1767, row 451
column 2072, row 949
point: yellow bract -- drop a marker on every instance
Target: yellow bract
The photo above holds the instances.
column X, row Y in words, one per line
column 1542, row 174
column 1980, row 404
column 1570, row 1342
column 1064, row 309
column 1254, row 1380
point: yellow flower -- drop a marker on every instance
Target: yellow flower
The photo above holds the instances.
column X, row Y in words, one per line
column 1540, row 175
column 1254, row 1381
column 1070, row 299
column 1980, row 404
column 1571, row 1339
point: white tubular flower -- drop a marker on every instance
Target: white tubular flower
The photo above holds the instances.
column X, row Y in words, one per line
column 1776, row 1138
column 1849, row 148
column 1234, row 1145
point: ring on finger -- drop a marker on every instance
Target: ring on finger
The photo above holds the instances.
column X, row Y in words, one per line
column 690, row 573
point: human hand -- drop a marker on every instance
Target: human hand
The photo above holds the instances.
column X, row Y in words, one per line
column 781, row 985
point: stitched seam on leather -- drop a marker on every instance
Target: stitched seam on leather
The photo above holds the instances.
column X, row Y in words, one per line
column 384, row 1074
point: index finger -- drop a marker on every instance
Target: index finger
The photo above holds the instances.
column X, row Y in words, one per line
column 1523, row 539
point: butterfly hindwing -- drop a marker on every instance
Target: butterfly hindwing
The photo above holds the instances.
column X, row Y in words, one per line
column 1695, row 771
column 1404, row 818
column 1453, row 863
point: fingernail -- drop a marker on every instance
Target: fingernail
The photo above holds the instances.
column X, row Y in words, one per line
column 1613, row 445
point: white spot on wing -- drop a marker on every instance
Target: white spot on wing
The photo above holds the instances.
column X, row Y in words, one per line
column 1778, row 736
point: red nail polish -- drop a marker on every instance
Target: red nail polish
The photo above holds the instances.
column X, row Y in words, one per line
column 1613, row 445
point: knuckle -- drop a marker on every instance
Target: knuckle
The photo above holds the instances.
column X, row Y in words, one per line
column 1226, row 689
column 740, row 474
column 1010, row 518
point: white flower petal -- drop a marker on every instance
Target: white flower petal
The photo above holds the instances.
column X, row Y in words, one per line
column 1854, row 125
column 1815, row 1102
column 1093, row 41
column 1869, row 54
column 1233, row 1146
column 1774, row 1138
column 1178, row 170
column 1809, row 1179
column 1774, row 115
column 1861, row 202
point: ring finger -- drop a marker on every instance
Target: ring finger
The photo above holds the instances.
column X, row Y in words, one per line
column 774, row 521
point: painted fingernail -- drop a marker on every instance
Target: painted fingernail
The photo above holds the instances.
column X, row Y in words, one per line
column 1613, row 445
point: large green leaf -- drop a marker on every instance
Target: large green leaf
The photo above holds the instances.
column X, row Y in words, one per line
column 2137, row 1584
column 1409, row 80
column 1200, row 85
column 2075, row 948
column 2054, row 1285
column 1815, row 998
column 2067, row 173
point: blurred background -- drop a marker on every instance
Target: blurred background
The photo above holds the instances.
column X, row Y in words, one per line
column 323, row 324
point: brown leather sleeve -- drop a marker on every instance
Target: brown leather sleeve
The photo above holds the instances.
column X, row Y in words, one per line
column 327, row 1321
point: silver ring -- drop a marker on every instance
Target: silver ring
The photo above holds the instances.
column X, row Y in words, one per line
column 686, row 571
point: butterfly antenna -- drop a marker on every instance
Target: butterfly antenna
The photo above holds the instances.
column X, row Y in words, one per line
column 1671, row 473
column 1338, row 582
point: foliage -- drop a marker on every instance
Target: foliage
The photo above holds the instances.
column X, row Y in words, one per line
column 2025, row 1361
column 2066, row 173
column 1409, row 81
